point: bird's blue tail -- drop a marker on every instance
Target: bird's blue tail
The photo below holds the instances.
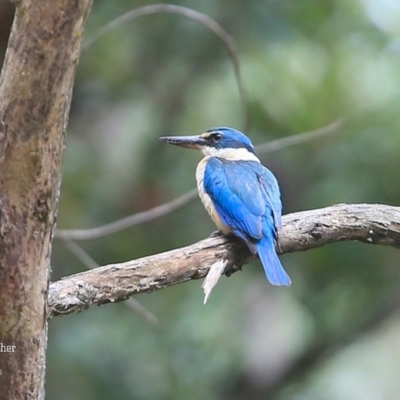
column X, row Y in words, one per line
column 270, row 261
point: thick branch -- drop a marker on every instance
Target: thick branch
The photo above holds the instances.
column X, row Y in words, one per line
column 373, row 224
column 368, row 223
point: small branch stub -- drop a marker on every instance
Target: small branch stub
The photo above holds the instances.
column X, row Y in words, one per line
column 212, row 278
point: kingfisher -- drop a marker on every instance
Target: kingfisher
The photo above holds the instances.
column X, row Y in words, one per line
column 240, row 194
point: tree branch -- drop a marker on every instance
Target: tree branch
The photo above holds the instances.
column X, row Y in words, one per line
column 368, row 223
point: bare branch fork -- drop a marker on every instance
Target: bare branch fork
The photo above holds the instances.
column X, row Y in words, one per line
column 368, row 223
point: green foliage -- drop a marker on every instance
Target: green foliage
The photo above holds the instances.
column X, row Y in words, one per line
column 304, row 64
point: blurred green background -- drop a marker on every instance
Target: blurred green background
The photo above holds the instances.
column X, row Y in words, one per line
column 335, row 333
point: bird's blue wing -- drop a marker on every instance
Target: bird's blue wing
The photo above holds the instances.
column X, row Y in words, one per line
column 272, row 196
column 244, row 194
column 246, row 197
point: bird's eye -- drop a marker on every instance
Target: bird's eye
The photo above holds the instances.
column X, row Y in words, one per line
column 217, row 137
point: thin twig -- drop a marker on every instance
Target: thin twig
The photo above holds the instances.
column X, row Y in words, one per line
column 300, row 137
column 90, row 263
column 80, row 254
column 193, row 15
column 124, row 223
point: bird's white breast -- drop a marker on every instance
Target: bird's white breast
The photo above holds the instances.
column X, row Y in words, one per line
column 206, row 199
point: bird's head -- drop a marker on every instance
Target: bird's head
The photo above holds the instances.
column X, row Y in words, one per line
column 219, row 142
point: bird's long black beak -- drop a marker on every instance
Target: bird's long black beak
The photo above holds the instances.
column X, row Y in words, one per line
column 189, row 142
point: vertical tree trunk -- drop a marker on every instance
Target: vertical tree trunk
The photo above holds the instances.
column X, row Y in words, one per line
column 35, row 92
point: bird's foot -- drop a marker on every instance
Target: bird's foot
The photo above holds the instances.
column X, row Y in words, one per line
column 232, row 269
column 216, row 234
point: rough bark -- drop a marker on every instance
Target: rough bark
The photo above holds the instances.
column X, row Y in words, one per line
column 373, row 224
column 35, row 92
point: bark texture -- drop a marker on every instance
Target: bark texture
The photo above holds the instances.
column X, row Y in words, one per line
column 35, row 92
column 368, row 223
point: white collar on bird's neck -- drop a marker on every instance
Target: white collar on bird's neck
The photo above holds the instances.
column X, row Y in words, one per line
column 230, row 154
